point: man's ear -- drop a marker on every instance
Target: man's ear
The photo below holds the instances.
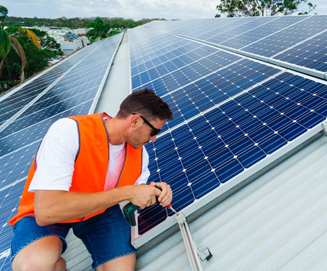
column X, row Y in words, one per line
column 134, row 120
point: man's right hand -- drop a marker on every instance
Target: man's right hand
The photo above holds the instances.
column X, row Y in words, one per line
column 144, row 195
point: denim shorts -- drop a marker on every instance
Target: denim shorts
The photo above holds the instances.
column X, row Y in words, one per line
column 106, row 236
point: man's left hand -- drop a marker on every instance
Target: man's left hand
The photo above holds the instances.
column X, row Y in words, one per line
column 166, row 195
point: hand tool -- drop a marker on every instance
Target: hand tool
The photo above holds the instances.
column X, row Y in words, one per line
column 130, row 208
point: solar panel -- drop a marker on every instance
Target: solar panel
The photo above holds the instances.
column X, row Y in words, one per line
column 234, row 30
column 311, row 53
column 285, row 41
column 264, row 28
column 23, row 95
column 54, row 95
column 228, row 122
column 290, row 36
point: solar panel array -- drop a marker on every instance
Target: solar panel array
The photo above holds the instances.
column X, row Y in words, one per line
column 230, row 112
column 69, row 88
column 270, row 37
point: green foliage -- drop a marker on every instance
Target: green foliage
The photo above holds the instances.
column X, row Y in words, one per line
column 5, row 43
column 114, row 32
column 99, row 29
column 46, row 41
column 36, row 59
column 238, row 8
column 20, row 56
column 15, row 28
column 76, row 22
column 3, row 15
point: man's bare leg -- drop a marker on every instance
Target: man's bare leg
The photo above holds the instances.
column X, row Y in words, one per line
column 125, row 263
column 43, row 254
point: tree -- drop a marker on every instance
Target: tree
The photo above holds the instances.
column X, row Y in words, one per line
column 99, row 29
column 47, row 42
column 238, row 8
column 20, row 53
column 9, row 41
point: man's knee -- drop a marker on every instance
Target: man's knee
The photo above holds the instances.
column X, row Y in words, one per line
column 43, row 254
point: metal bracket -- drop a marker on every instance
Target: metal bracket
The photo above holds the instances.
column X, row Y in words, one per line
column 324, row 125
column 194, row 254
column 204, row 254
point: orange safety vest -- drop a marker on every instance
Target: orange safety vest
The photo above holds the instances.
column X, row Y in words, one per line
column 91, row 165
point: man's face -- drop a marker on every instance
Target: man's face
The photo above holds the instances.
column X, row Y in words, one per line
column 141, row 134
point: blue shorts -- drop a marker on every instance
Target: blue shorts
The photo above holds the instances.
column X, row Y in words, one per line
column 106, row 236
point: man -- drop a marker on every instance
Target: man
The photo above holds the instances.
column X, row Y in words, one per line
column 84, row 167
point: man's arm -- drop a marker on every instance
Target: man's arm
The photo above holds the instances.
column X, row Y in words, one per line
column 57, row 206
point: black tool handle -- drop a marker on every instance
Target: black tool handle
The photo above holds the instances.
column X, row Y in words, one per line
column 129, row 210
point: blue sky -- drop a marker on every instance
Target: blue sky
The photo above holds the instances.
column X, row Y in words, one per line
column 135, row 9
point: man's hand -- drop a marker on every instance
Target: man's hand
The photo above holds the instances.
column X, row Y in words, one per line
column 166, row 195
column 144, row 195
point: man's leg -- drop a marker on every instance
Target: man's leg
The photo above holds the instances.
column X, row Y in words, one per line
column 125, row 263
column 107, row 237
column 43, row 254
column 38, row 248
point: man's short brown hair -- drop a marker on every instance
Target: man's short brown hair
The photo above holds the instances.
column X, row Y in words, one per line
column 145, row 102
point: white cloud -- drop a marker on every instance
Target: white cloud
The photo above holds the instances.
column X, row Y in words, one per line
column 321, row 6
column 169, row 9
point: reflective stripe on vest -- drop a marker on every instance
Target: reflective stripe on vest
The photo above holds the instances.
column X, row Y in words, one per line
column 91, row 165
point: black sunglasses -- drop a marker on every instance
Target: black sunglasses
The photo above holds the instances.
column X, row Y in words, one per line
column 154, row 131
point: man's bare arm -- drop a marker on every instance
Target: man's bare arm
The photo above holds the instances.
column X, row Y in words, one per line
column 57, row 206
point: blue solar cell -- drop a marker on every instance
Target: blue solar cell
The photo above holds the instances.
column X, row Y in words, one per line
column 204, row 184
column 153, row 167
column 198, row 170
column 251, row 156
column 188, row 148
column 220, row 157
column 191, row 158
column 311, row 120
column 168, row 173
column 272, row 143
column 207, row 137
column 292, row 131
column 183, row 197
column 229, row 170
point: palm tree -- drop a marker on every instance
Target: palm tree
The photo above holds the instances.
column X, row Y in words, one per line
column 8, row 41
column 99, row 31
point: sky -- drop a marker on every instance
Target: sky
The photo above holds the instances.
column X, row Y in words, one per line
column 134, row 9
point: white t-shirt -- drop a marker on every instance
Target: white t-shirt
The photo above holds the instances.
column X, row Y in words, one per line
column 56, row 157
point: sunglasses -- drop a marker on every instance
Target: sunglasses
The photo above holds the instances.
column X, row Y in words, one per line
column 154, row 131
